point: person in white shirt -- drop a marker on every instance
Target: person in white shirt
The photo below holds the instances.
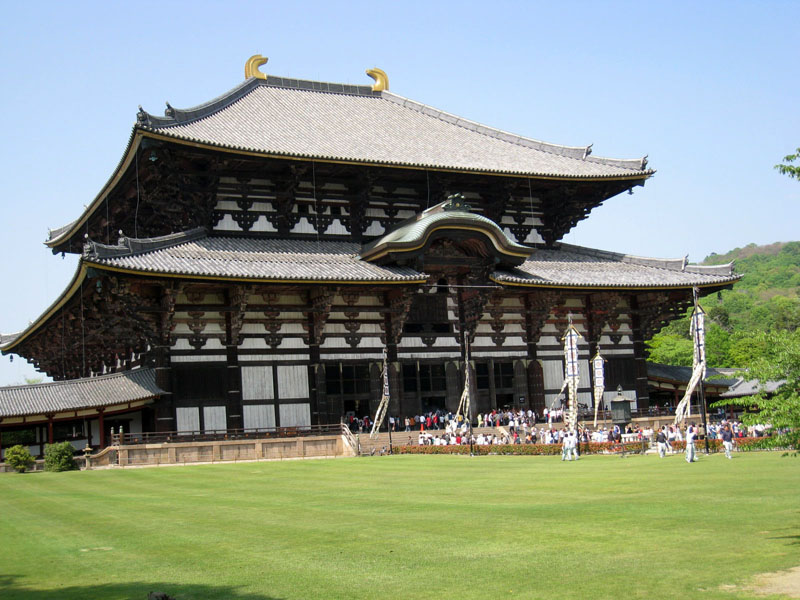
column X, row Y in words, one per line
column 573, row 444
column 691, row 451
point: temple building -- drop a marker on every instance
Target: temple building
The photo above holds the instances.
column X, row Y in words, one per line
column 255, row 256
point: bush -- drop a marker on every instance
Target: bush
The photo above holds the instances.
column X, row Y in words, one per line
column 58, row 457
column 19, row 458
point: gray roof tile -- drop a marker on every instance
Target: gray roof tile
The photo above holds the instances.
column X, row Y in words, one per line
column 304, row 260
column 376, row 128
column 248, row 258
column 570, row 266
column 714, row 377
column 77, row 394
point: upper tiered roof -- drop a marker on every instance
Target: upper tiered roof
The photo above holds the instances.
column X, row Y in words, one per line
column 293, row 119
column 348, row 123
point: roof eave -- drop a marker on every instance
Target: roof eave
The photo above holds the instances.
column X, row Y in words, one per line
column 128, row 156
column 69, row 291
column 239, row 150
column 502, row 280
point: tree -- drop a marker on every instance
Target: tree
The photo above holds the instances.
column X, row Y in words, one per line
column 59, row 457
column 670, row 349
column 779, row 362
column 19, row 458
column 785, row 168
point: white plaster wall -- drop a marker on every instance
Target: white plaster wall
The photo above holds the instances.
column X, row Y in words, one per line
column 257, row 383
column 295, row 415
column 258, row 416
column 292, row 382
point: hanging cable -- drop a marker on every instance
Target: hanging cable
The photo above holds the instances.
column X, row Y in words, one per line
column 530, row 199
column 83, row 338
column 316, row 200
column 136, row 214
column 63, row 344
column 428, row 184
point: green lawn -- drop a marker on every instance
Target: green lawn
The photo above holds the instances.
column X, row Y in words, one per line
column 403, row 527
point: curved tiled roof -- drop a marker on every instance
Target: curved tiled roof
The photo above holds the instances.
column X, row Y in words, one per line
column 292, row 118
column 249, row 258
column 714, row 377
column 574, row 266
column 338, row 122
column 194, row 255
column 78, row 394
column 415, row 233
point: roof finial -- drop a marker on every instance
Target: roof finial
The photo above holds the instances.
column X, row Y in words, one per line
column 381, row 79
column 251, row 67
column 456, row 202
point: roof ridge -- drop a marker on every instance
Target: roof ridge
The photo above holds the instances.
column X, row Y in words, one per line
column 671, row 264
column 76, row 381
column 128, row 246
column 574, row 152
column 177, row 116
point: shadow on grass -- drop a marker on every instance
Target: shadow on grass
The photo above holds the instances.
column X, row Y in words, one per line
column 11, row 588
column 795, row 539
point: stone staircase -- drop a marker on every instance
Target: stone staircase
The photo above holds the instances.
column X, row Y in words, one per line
column 400, row 438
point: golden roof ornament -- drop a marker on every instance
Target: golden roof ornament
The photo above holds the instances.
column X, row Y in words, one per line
column 251, row 67
column 381, row 79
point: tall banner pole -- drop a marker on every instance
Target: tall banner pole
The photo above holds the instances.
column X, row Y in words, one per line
column 384, row 403
column 468, row 392
column 571, row 372
column 599, row 382
column 698, row 327
column 683, row 409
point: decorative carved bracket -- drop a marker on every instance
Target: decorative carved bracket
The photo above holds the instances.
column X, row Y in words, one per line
column 238, row 299
column 399, row 305
column 538, row 306
column 320, row 302
column 196, row 323
column 604, row 309
column 496, row 313
column 656, row 309
column 169, row 294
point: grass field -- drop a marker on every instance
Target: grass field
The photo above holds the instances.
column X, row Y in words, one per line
column 403, row 527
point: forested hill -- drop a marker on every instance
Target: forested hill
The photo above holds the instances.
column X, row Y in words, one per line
column 767, row 270
column 765, row 299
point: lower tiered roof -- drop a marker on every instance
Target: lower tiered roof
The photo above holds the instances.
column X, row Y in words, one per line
column 117, row 389
column 198, row 256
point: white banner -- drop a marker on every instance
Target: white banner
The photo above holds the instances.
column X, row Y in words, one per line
column 572, row 375
column 598, row 367
column 384, row 404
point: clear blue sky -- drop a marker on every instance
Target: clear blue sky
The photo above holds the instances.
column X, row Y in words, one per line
column 709, row 90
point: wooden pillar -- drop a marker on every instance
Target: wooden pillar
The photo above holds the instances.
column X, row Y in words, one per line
column 320, row 410
column 234, row 388
column 102, row 426
column 640, row 356
column 163, row 411
column 49, row 429
column 535, row 373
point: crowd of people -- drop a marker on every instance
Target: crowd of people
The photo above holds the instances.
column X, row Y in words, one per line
column 443, row 428
column 442, row 420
